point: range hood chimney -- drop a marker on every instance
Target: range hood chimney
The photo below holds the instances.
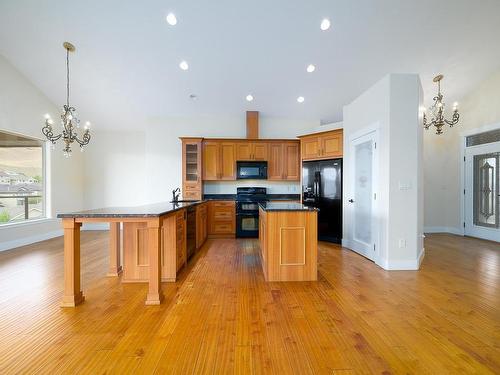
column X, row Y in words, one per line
column 252, row 124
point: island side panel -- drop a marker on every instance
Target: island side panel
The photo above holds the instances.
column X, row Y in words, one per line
column 291, row 245
column 135, row 252
column 173, row 245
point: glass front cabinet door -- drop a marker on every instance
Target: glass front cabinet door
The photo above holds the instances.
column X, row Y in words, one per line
column 191, row 168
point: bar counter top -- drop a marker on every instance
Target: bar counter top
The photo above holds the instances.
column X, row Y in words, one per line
column 285, row 206
column 149, row 210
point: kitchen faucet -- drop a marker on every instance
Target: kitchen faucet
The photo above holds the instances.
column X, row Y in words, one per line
column 175, row 198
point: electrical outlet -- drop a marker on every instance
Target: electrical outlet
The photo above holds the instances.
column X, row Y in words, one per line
column 402, row 243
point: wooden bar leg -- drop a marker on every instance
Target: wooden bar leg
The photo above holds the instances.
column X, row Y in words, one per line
column 72, row 291
column 115, row 268
column 155, row 295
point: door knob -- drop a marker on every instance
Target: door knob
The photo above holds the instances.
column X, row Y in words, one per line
column 351, row 200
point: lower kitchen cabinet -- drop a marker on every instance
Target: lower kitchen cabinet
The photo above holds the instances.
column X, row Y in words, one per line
column 221, row 218
column 201, row 224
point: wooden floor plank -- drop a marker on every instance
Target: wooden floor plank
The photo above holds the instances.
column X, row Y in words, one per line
column 222, row 317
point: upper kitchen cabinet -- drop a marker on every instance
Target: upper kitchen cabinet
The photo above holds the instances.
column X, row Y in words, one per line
column 219, row 160
column 325, row 145
column 284, row 161
column 251, row 150
column 191, row 168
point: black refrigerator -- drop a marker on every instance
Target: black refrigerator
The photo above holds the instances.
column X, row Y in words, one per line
column 322, row 188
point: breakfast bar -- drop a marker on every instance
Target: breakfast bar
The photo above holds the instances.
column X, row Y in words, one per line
column 152, row 236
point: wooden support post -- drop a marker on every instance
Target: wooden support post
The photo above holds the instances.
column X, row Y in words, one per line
column 72, row 290
column 115, row 267
column 155, row 294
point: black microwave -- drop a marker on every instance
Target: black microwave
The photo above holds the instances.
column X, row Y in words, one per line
column 255, row 170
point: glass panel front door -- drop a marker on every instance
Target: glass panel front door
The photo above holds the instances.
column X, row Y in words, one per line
column 486, row 190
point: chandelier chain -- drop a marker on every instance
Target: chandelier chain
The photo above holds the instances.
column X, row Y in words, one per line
column 67, row 77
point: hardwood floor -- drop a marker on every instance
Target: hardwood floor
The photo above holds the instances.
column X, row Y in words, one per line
column 221, row 317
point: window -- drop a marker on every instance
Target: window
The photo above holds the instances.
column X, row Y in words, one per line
column 21, row 178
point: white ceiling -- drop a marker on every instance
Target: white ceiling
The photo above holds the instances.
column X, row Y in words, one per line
column 126, row 66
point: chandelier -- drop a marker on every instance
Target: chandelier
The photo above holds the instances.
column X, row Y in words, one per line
column 69, row 121
column 437, row 111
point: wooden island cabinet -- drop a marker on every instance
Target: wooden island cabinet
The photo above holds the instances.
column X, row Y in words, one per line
column 288, row 237
column 154, row 244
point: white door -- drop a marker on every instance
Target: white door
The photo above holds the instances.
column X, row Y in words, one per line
column 482, row 194
column 363, row 194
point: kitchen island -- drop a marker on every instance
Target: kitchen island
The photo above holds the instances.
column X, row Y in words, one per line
column 288, row 236
column 154, row 243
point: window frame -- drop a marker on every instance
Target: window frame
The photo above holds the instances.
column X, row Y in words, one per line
column 44, row 192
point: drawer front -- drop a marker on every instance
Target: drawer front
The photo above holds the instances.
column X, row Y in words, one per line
column 222, row 228
column 222, row 204
column 224, row 215
column 192, row 194
column 192, row 187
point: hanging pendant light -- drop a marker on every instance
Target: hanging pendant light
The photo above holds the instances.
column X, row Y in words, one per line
column 437, row 111
column 69, row 119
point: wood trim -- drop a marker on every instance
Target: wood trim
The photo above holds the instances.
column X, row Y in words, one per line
column 155, row 295
column 72, row 295
column 320, row 133
column 252, row 124
column 115, row 267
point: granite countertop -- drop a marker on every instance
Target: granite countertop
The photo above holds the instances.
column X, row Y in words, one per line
column 149, row 210
column 219, row 197
column 273, row 197
column 284, row 206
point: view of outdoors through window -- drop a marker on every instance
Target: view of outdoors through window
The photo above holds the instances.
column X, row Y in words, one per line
column 21, row 179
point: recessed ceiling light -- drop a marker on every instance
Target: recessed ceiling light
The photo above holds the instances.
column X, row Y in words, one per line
column 184, row 65
column 325, row 24
column 310, row 68
column 249, row 98
column 171, row 19
column 300, row 99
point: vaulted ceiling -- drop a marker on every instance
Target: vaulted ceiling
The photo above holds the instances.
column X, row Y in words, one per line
column 125, row 70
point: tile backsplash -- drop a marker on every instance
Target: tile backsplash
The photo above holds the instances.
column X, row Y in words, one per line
column 273, row 187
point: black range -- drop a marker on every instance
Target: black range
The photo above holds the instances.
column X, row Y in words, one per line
column 247, row 210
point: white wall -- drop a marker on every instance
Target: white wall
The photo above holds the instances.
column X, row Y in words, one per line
column 115, row 169
column 391, row 105
column 22, row 107
column 442, row 163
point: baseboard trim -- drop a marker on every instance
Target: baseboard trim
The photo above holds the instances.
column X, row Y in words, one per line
column 452, row 230
column 8, row 245
column 400, row 264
